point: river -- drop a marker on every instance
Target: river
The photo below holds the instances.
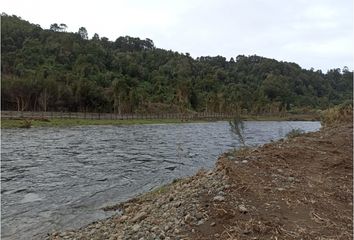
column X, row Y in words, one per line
column 60, row 178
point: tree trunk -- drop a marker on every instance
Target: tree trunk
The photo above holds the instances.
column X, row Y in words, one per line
column 119, row 106
column 18, row 103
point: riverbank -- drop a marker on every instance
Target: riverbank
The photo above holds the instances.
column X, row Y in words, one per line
column 57, row 122
column 295, row 188
column 63, row 122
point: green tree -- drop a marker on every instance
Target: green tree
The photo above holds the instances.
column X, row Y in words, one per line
column 83, row 33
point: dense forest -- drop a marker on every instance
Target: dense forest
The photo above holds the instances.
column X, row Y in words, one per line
column 54, row 70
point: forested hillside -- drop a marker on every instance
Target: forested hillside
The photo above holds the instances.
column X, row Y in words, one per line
column 55, row 70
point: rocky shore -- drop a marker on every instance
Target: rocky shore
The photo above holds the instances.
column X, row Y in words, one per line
column 296, row 188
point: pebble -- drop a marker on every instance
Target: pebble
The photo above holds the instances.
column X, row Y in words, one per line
column 123, row 218
column 199, row 215
column 188, row 218
column 242, row 208
column 136, row 227
column 291, row 179
column 244, row 161
column 140, row 216
column 177, row 204
column 219, row 198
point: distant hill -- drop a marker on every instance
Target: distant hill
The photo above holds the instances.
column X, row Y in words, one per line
column 51, row 69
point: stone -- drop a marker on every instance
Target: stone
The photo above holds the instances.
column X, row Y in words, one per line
column 177, row 204
column 200, row 222
column 162, row 236
column 212, row 224
column 188, row 218
column 219, row 198
column 291, row 179
column 242, row 208
column 221, row 193
column 135, row 227
column 140, row 216
column 199, row 215
column 167, row 227
column 123, row 218
column 244, row 161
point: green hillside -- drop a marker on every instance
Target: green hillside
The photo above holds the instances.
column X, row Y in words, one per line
column 55, row 70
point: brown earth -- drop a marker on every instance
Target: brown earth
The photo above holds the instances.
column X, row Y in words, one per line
column 297, row 188
column 301, row 188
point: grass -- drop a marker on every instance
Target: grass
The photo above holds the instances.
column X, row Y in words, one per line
column 164, row 188
column 62, row 122
column 287, row 117
column 337, row 115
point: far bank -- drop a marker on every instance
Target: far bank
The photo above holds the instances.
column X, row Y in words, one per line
column 39, row 121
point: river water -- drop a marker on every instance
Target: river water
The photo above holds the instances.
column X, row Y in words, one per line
column 60, row 178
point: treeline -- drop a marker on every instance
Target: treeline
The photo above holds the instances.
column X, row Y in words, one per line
column 54, row 70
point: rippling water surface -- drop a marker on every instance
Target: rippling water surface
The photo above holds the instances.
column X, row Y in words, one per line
column 59, row 178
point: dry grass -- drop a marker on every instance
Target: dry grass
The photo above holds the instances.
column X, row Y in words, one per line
column 339, row 114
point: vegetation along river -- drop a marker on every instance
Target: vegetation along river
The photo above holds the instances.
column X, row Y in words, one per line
column 59, row 178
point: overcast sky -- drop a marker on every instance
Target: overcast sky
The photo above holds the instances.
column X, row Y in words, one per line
column 316, row 33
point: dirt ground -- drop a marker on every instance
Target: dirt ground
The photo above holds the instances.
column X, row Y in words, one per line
column 299, row 188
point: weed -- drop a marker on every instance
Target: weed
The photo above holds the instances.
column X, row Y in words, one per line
column 294, row 133
column 27, row 123
column 237, row 127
